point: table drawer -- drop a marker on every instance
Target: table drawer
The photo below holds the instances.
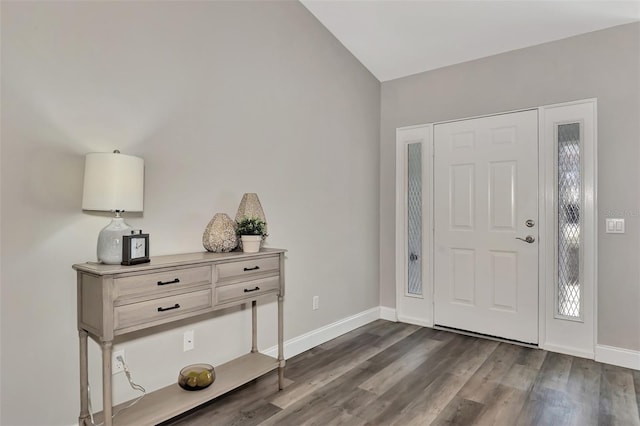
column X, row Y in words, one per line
column 247, row 289
column 247, row 268
column 151, row 284
column 157, row 310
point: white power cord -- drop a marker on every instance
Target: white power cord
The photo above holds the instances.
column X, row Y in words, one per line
column 133, row 385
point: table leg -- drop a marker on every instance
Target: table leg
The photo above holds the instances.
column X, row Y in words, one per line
column 83, row 418
column 281, row 361
column 254, row 327
column 107, row 403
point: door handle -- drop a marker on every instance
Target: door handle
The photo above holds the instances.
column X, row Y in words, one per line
column 528, row 239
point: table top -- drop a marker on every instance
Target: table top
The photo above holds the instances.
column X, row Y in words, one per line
column 96, row 268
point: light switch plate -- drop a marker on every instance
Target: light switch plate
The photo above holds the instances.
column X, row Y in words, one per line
column 614, row 226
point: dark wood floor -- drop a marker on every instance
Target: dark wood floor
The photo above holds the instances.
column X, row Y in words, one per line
column 389, row 373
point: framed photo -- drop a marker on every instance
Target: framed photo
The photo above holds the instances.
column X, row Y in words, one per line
column 135, row 248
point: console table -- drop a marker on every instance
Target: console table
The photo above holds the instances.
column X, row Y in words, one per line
column 114, row 300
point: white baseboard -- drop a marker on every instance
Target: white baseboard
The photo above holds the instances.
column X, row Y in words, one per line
column 297, row 345
column 618, row 356
column 388, row 314
column 567, row 350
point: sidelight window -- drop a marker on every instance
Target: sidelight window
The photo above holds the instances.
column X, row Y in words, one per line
column 414, row 219
column 569, row 202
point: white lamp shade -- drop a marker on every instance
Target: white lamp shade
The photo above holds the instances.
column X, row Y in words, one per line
column 113, row 181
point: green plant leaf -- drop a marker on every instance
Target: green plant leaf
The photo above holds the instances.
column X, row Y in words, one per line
column 252, row 226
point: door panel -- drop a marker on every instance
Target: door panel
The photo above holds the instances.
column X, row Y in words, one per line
column 502, row 203
column 485, row 189
column 504, row 267
column 463, row 272
column 462, row 196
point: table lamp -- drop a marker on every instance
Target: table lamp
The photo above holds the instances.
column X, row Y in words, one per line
column 113, row 182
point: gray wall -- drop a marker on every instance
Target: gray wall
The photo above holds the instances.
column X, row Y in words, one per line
column 219, row 98
column 603, row 65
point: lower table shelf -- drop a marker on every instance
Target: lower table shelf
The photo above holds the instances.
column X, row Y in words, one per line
column 172, row 400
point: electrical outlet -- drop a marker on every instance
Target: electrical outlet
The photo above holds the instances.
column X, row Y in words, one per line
column 316, row 302
column 188, row 341
column 116, row 365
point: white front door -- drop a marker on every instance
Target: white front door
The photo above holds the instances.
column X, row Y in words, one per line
column 486, row 225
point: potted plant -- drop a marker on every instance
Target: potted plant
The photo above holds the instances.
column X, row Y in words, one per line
column 252, row 230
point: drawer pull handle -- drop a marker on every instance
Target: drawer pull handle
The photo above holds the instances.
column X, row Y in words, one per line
column 169, row 282
column 249, row 290
column 176, row 306
column 255, row 268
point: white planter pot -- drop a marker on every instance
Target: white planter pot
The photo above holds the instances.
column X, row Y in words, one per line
column 251, row 243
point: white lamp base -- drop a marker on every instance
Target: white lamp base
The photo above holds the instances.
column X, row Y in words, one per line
column 110, row 241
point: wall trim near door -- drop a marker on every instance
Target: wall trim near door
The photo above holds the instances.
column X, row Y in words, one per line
column 567, row 350
column 388, row 314
column 618, row 356
column 414, row 321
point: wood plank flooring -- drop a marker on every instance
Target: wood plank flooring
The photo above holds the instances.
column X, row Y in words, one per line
column 389, row 373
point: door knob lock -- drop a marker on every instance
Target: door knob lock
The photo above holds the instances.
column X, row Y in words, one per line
column 528, row 239
column 530, row 223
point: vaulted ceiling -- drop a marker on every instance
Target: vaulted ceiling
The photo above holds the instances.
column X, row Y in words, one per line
column 396, row 38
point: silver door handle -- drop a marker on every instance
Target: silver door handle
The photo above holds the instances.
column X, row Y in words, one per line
column 528, row 239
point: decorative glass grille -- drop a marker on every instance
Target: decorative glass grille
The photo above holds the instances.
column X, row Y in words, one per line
column 569, row 202
column 414, row 218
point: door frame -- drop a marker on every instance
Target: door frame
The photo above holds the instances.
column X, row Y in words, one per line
column 550, row 327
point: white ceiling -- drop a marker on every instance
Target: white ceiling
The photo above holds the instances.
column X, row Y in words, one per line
column 396, row 38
